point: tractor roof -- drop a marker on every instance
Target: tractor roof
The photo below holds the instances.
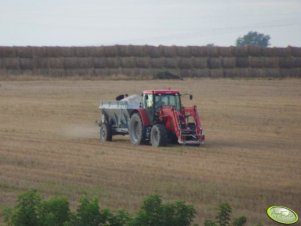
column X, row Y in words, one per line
column 162, row 91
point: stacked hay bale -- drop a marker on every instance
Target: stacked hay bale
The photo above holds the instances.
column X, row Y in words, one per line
column 146, row 61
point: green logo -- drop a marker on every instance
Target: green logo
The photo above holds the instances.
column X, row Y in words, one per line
column 282, row 214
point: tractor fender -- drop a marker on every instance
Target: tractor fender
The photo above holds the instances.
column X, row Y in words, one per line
column 143, row 116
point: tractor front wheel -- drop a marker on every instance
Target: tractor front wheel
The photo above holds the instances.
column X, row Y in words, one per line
column 158, row 135
column 105, row 133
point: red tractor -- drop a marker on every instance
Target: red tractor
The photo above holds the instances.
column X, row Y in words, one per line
column 156, row 117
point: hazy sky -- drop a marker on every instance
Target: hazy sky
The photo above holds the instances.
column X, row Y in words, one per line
column 153, row 22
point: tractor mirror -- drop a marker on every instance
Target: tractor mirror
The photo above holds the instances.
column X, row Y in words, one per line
column 190, row 97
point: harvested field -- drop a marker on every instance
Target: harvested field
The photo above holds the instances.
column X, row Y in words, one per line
column 251, row 159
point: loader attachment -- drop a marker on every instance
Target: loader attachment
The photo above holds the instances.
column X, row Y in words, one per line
column 186, row 125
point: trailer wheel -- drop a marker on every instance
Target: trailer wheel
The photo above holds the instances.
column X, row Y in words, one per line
column 158, row 135
column 136, row 129
column 105, row 133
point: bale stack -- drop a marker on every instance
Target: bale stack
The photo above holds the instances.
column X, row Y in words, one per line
column 143, row 62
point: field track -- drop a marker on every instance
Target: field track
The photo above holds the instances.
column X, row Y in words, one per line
column 251, row 159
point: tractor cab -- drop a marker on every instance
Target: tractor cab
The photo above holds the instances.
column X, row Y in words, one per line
column 154, row 100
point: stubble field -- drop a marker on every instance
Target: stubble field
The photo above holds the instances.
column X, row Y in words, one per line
column 251, row 159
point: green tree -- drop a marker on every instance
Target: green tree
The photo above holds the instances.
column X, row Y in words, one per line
column 254, row 38
column 224, row 215
column 54, row 212
column 26, row 211
column 88, row 213
column 155, row 213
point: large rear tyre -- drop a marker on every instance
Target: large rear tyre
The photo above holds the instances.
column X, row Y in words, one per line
column 105, row 133
column 158, row 135
column 136, row 129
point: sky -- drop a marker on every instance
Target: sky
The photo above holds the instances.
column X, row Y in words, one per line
column 147, row 22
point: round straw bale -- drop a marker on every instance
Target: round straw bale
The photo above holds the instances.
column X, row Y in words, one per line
column 142, row 62
column 216, row 73
column 197, row 51
column 55, row 62
column 127, row 72
column 272, row 72
column 153, row 51
column 127, row 62
column 99, row 51
column 110, row 51
column 66, row 52
column 70, row 62
column 24, row 52
column 268, row 52
column 283, row 52
column 85, row 62
column 256, row 62
column 212, row 51
column 184, row 63
column 254, row 50
column 122, row 50
column 295, row 51
column 56, row 72
column 26, row 63
column 167, row 51
column 242, row 62
column 229, row 62
column 298, row 62
column 35, row 51
column 199, row 62
column 198, row 73
column 100, row 71
column 157, row 62
column 271, row 62
column 286, row 62
column 185, row 73
column 231, row 73
column 11, row 63
column 171, row 62
column 99, row 62
column 214, row 62
column 41, row 71
column 237, row 72
column 6, row 51
column 15, row 72
column 225, row 51
column 183, row 51
column 201, row 73
column 241, row 51
column 290, row 72
column 112, row 62
column 256, row 72
column 132, row 51
column 41, row 62
column 139, row 73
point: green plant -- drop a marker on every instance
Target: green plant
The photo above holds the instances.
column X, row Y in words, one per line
column 224, row 215
column 26, row 211
column 54, row 212
column 88, row 213
column 154, row 213
column 240, row 221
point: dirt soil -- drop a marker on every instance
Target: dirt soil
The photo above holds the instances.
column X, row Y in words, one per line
column 251, row 159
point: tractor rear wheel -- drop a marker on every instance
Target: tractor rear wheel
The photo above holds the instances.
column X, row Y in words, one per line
column 136, row 129
column 105, row 133
column 158, row 135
